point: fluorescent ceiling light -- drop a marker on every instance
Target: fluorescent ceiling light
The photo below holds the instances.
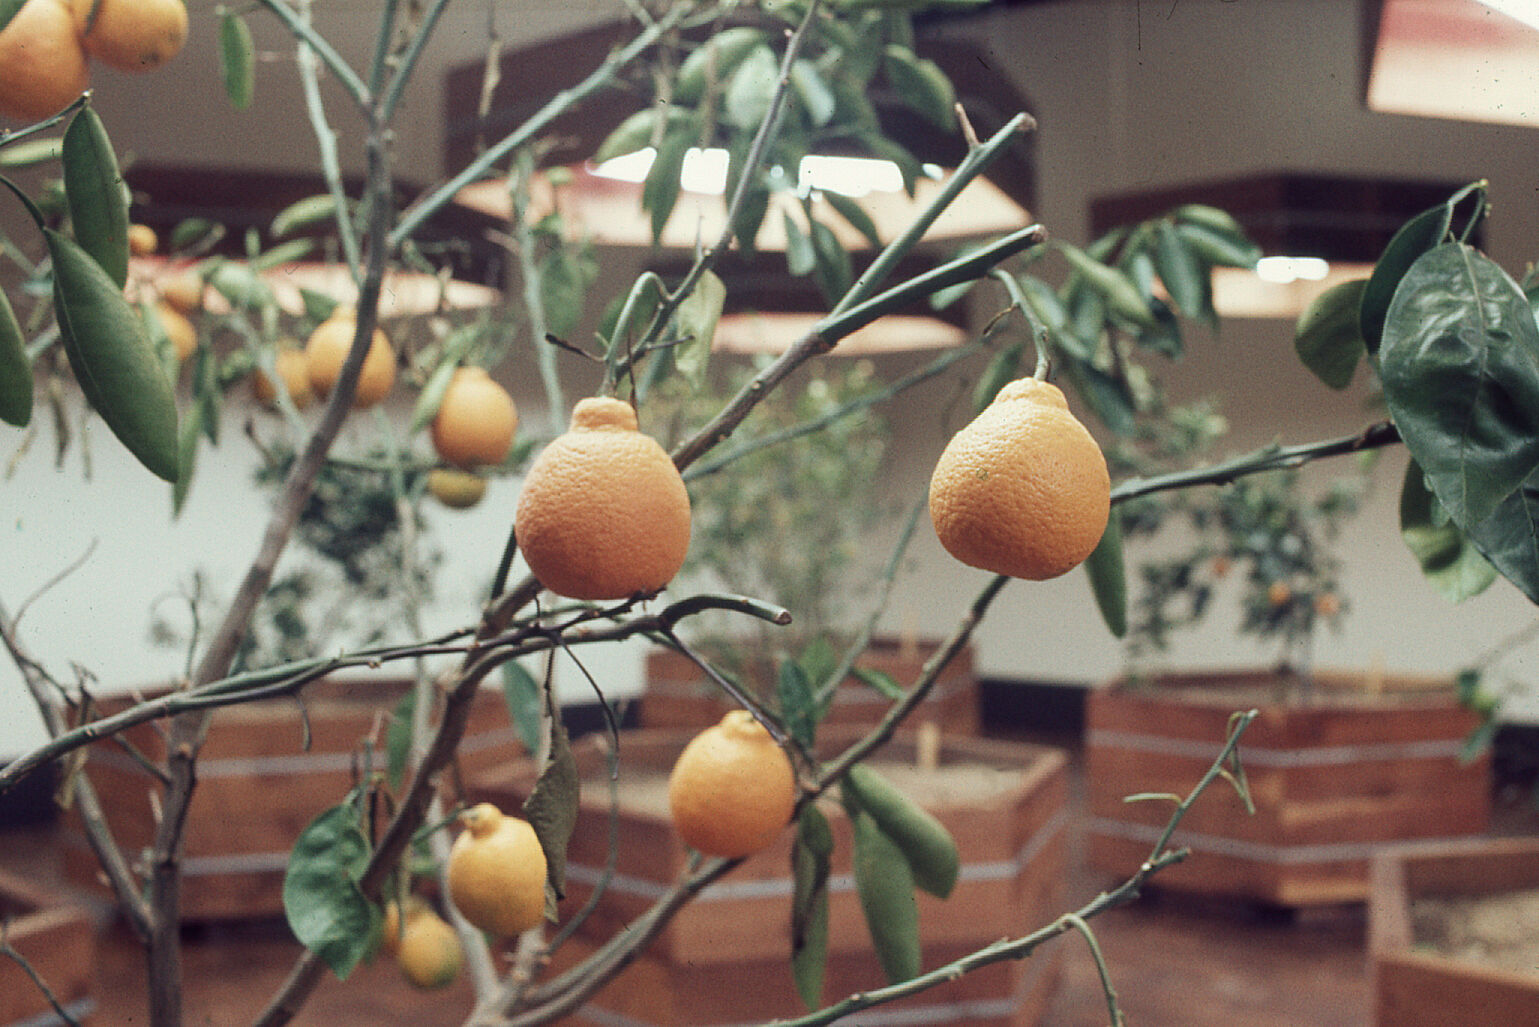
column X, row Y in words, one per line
column 1282, row 270
column 1526, row 11
column 705, row 172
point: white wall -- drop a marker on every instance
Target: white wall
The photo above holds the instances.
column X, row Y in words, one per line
column 1127, row 94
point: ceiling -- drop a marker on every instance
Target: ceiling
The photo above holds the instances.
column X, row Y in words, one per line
column 1454, row 59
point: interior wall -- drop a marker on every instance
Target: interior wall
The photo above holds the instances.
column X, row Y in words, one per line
column 1128, row 94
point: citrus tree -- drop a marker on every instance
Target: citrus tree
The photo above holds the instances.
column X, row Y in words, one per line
column 603, row 518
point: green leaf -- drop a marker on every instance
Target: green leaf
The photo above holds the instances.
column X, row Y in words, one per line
column 856, row 215
column 195, row 235
column 813, row 91
column 242, row 286
column 831, row 265
column 1452, row 565
column 398, row 738
column 1105, row 394
column 521, row 692
column 798, row 704
column 925, row 842
column 306, row 213
column 909, row 166
column 325, row 909
column 1182, row 272
column 97, row 197
column 634, row 133
column 1414, row 238
column 31, row 151
column 1004, row 367
column 751, row 88
column 1328, row 337
column 1220, row 248
column 800, row 256
column 1108, row 577
column 1116, row 288
column 186, row 457
column 885, row 884
column 750, row 217
column 879, row 680
column 661, row 190
column 1459, row 361
column 922, row 85
column 564, row 279
column 811, row 857
column 552, row 807
column 8, row 9
column 237, row 60
column 714, row 61
column 696, row 318
column 1212, row 218
column 15, row 369
column 283, row 253
column 112, row 357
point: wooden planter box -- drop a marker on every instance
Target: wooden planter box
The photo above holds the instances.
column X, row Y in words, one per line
column 1421, row 988
column 1334, row 777
column 258, row 787
column 679, row 695
column 58, row 939
column 725, row 957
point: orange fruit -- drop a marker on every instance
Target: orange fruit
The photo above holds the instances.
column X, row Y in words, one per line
column 327, row 348
column 603, row 513
column 1327, row 604
column 132, row 35
column 476, row 420
column 42, row 65
column 183, row 336
column 456, row 489
column 142, row 240
column 732, row 789
column 497, row 872
column 292, row 366
column 427, row 950
column 1023, row 490
column 182, row 289
column 1279, row 593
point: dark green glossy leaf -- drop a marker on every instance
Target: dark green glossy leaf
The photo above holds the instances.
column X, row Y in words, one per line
column 661, row 190
column 925, row 842
column 1004, row 367
column 113, row 360
column 1328, row 337
column 1044, row 302
column 1451, row 563
column 1164, row 336
column 885, row 884
column 1509, row 538
column 1459, row 362
column 1183, row 273
column 15, row 369
column 697, row 317
column 924, row 88
column 751, row 88
column 552, row 807
column 1107, row 395
column 856, row 215
column 1415, row 237
column 1220, row 248
column 798, row 703
column 321, row 899
column 522, row 694
column 811, row 857
column 831, row 264
column 98, row 199
column 237, row 60
column 1116, row 288
column 1109, row 578
column 713, row 62
column 1138, row 265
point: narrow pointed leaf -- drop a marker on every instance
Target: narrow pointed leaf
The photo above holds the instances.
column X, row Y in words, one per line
column 237, row 60
column 31, row 151
column 831, row 265
column 800, row 257
column 798, row 705
column 1219, row 248
column 925, row 842
column 712, row 63
column 697, row 317
column 856, row 215
column 94, row 190
column 885, row 884
column 312, row 211
column 113, row 360
column 661, row 190
column 1117, row 289
column 1329, row 337
column 812, row 90
column 398, row 738
column 15, row 369
column 521, row 693
column 1108, row 577
column 1450, row 562
column 811, row 857
column 8, row 9
column 921, row 83
column 1181, row 271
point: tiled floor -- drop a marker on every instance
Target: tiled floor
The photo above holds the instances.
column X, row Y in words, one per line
column 1175, row 962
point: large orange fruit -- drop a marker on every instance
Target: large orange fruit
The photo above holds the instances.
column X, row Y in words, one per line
column 496, row 872
column 42, row 65
column 476, row 420
column 326, row 350
column 603, row 513
column 732, row 789
column 132, row 35
column 1023, row 490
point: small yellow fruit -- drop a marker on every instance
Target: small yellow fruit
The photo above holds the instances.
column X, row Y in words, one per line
column 428, row 951
column 183, row 336
column 497, row 872
column 132, row 35
column 1278, row 593
column 294, row 369
column 456, row 489
column 42, row 66
column 326, row 350
column 732, row 790
column 476, row 420
column 142, row 240
column 182, row 289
